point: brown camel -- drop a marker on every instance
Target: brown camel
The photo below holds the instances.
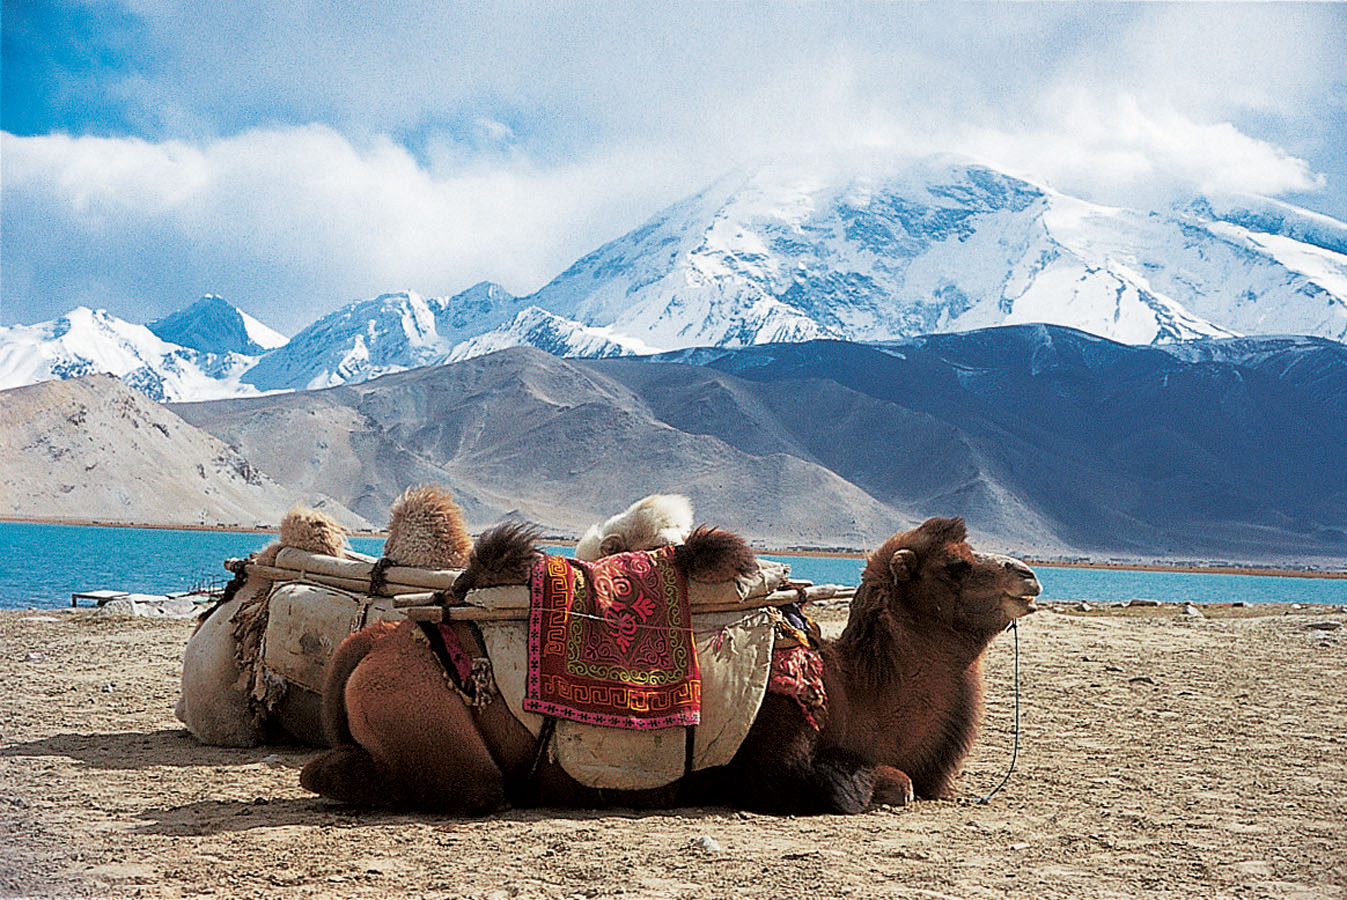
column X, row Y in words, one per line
column 903, row 683
column 903, row 696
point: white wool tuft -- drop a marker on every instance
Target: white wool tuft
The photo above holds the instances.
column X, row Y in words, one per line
column 648, row 523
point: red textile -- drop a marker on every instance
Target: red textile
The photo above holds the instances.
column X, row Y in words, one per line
column 457, row 655
column 798, row 672
column 610, row 642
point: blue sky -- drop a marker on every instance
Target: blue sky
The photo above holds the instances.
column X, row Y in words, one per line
column 293, row 156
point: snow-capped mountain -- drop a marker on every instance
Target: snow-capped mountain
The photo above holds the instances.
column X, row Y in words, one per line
column 535, row 327
column 87, row 341
column 941, row 245
column 214, row 326
column 859, row 252
column 1266, row 216
column 392, row 332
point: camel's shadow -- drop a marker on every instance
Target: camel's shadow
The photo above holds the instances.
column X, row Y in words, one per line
column 131, row 750
column 142, row 749
column 209, row 817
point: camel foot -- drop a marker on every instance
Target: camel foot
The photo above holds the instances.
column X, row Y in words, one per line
column 892, row 787
column 348, row 774
column 841, row 781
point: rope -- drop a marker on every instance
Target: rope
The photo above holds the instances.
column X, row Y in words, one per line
column 378, row 580
column 1015, row 752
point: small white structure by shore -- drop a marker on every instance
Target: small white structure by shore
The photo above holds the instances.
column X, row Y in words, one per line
column 150, row 606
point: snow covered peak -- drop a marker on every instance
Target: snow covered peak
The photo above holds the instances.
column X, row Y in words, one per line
column 880, row 251
column 1264, row 215
column 87, row 341
column 214, row 326
column 856, row 248
column 535, row 327
column 390, row 333
column 262, row 335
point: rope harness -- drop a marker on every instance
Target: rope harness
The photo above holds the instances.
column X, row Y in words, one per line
column 1015, row 751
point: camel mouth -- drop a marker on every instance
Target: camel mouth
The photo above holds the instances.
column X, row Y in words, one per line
column 1016, row 605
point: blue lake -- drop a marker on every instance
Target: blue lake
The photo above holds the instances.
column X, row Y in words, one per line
column 42, row 565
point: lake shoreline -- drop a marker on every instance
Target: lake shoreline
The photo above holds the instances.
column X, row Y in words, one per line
column 1175, row 567
column 164, row 526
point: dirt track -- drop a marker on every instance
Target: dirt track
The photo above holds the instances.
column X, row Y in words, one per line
column 1161, row 757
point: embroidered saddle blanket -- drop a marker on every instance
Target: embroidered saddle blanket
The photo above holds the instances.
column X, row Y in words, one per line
column 734, row 656
column 610, row 642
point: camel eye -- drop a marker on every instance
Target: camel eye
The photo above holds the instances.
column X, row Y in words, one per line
column 959, row 568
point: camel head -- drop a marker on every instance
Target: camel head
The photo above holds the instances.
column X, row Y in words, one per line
column 931, row 575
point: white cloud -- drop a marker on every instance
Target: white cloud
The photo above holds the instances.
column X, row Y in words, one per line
column 1113, row 149
column 537, row 136
column 291, row 222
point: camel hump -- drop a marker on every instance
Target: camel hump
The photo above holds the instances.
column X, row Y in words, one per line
column 713, row 554
column 336, row 726
column 425, row 530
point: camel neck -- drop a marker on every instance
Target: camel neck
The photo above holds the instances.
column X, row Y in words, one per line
column 880, row 645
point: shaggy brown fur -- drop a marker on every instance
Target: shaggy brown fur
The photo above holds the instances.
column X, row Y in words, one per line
column 307, row 529
column 711, row 554
column 425, row 529
column 893, row 729
column 349, row 653
column 412, row 741
column 503, row 555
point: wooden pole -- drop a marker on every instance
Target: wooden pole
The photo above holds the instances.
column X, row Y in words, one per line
column 468, row 613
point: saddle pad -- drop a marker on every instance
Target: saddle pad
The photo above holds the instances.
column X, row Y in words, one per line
column 610, row 642
column 735, row 653
column 306, row 622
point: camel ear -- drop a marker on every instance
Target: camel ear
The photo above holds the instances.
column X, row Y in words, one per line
column 612, row 544
column 903, row 565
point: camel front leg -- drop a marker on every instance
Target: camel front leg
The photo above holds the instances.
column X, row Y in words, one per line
column 892, row 787
column 348, row 774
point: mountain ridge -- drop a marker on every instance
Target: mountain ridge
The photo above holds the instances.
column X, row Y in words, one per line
column 867, row 252
column 92, row 448
column 1050, row 442
column 213, row 325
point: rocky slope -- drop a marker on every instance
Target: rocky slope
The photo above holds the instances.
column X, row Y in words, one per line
column 523, row 433
column 1047, row 440
column 92, row 448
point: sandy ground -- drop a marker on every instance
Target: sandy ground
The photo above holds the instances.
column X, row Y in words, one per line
column 1161, row 756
